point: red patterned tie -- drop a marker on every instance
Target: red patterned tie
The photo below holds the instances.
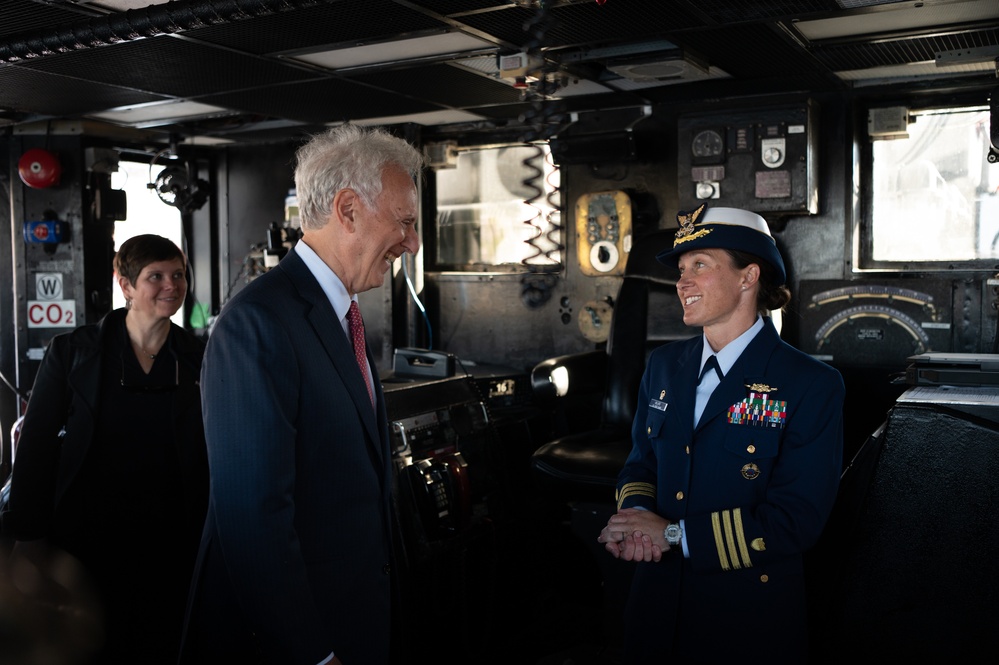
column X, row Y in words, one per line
column 360, row 353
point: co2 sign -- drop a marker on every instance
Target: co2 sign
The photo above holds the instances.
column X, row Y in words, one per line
column 51, row 313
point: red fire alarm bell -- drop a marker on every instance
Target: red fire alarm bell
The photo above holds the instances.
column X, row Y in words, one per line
column 39, row 168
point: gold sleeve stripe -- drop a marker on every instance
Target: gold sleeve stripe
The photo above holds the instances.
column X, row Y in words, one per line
column 716, row 528
column 630, row 489
column 730, row 540
column 741, row 537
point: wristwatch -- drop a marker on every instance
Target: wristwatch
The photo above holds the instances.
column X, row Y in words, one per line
column 673, row 534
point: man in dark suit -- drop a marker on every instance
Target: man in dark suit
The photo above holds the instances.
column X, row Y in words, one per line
column 295, row 561
column 735, row 463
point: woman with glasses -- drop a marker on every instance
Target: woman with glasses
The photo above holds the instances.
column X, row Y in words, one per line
column 111, row 466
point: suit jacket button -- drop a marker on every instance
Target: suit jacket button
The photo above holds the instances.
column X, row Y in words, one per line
column 764, row 578
column 386, row 569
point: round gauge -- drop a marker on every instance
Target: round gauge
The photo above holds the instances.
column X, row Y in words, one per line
column 595, row 319
column 707, row 143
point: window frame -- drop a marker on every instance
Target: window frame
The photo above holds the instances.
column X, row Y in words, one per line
column 863, row 233
column 434, row 263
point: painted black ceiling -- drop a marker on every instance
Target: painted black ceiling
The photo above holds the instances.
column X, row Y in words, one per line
column 70, row 58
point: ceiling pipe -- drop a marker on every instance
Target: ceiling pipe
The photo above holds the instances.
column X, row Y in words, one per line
column 133, row 24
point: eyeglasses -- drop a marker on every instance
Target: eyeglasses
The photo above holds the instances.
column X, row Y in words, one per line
column 139, row 387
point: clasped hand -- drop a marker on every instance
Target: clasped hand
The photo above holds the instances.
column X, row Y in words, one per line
column 635, row 535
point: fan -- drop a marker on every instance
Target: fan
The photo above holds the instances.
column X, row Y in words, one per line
column 171, row 185
column 175, row 187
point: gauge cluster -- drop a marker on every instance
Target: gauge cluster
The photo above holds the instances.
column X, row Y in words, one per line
column 762, row 160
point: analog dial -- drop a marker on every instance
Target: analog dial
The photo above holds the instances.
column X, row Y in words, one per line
column 707, row 143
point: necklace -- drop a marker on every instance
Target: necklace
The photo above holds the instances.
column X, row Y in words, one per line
column 139, row 347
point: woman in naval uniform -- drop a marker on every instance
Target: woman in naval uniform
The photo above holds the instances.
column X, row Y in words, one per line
column 735, row 462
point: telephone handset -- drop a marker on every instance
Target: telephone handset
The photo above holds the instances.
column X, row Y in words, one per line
column 440, row 489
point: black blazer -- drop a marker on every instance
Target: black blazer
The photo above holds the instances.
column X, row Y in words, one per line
column 59, row 425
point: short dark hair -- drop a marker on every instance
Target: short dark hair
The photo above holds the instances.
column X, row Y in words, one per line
column 139, row 251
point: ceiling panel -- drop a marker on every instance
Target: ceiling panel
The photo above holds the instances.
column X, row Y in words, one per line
column 846, row 57
column 445, row 85
column 170, row 66
column 725, row 12
column 60, row 58
column 452, row 7
column 321, row 101
column 26, row 91
column 345, row 22
column 18, row 16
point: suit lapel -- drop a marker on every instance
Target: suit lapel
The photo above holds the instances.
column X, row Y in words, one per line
column 328, row 330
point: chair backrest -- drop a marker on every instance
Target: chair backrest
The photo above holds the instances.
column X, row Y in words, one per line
column 647, row 314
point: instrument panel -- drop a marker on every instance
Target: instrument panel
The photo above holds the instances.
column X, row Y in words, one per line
column 762, row 160
column 870, row 324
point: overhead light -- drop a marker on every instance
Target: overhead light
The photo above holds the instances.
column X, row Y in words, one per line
column 442, row 117
column 158, row 113
column 447, row 43
column 898, row 17
column 967, row 55
column 124, row 5
column 574, row 87
column 912, row 71
column 659, row 69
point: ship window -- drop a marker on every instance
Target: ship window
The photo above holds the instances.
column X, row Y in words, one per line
column 498, row 209
column 146, row 213
column 934, row 196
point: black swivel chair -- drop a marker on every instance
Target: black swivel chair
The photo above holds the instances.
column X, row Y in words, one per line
column 578, row 471
column 583, row 466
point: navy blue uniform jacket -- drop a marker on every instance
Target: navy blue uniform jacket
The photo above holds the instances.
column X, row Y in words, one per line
column 294, row 561
column 754, row 483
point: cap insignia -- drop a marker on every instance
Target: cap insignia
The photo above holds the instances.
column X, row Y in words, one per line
column 686, row 220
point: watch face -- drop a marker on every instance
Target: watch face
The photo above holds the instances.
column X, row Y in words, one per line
column 673, row 534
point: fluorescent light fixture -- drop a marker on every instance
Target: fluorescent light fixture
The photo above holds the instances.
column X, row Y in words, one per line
column 442, row 117
column 205, row 140
column 898, row 17
column 396, row 51
column 912, row 71
column 692, row 75
column 158, row 113
column 123, row 5
column 575, row 87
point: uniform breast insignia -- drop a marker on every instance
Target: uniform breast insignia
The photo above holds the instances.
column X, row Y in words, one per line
column 750, row 471
column 758, row 409
column 659, row 404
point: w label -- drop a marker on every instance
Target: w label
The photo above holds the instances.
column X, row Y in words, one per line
column 48, row 286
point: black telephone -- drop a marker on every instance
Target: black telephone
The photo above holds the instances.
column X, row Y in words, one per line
column 440, row 493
